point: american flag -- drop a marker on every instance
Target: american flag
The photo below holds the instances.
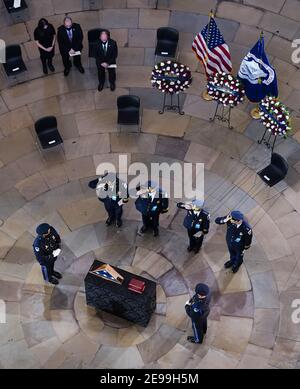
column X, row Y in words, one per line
column 212, row 50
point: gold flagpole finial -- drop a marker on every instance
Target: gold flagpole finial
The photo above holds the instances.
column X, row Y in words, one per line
column 261, row 35
column 211, row 14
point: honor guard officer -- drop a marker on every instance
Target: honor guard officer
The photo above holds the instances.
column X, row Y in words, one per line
column 152, row 201
column 46, row 248
column 238, row 238
column 113, row 193
column 198, row 310
column 196, row 222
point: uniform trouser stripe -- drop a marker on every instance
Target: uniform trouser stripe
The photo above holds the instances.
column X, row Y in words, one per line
column 195, row 332
column 45, row 273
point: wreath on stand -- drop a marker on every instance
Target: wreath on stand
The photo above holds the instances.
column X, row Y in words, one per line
column 275, row 116
column 171, row 77
column 226, row 89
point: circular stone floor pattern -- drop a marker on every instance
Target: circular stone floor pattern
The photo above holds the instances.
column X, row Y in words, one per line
column 250, row 324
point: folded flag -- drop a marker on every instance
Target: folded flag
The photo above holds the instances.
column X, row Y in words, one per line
column 258, row 76
column 212, row 50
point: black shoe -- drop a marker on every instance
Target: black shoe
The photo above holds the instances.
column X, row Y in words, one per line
column 155, row 233
column 54, row 281
column 81, row 70
column 190, row 249
column 112, row 87
column 45, row 70
column 228, row 265
column 143, row 229
column 100, row 87
column 235, row 269
column 119, row 223
column 109, row 221
column 66, row 72
column 57, row 275
column 51, row 67
column 191, row 339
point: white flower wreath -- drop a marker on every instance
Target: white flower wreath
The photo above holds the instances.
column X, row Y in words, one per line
column 171, row 77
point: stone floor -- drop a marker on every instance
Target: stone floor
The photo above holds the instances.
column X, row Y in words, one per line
column 250, row 324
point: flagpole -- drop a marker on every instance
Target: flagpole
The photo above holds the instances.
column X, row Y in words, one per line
column 205, row 94
column 255, row 111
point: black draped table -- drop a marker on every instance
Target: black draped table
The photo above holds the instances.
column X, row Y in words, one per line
column 117, row 299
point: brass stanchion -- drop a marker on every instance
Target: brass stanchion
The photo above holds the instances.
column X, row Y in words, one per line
column 206, row 96
column 255, row 113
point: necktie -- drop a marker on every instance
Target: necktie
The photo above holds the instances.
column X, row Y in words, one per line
column 70, row 34
column 105, row 48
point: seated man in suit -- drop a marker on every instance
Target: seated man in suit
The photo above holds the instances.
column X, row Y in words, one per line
column 70, row 37
column 106, row 55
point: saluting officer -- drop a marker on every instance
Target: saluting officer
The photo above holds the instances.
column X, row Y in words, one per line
column 46, row 248
column 152, row 202
column 197, row 222
column 238, row 238
column 113, row 193
column 198, row 310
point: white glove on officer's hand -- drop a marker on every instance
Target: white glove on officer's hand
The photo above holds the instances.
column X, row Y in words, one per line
column 56, row 253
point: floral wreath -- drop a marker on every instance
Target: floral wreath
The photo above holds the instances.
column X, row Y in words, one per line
column 171, row 77
column 226, row 89
column 275, row 116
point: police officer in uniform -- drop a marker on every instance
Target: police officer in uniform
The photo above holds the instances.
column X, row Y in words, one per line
column 196, row 222
column 238, row 238
column 198, row 310
column 113, row 193
column 151, row 202
column 46, row 248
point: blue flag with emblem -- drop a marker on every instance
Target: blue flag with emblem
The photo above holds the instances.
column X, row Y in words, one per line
column 257, row 75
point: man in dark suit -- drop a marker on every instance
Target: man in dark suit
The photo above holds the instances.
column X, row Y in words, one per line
column 113, row 193
column 70, row 37
column 152, row 201
column 239, row 238
column 46, row 249
column 197, row 222
column 106, row 56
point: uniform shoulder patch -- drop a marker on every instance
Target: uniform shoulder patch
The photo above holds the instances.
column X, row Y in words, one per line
column 37, row 249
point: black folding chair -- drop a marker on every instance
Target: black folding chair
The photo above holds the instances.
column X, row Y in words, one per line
column 275, row 172
column 15, row 9
column 128, row 111
column 47, row 133
column 167, row 42
column 9, row 4
column 93, row 39
column 14, row 62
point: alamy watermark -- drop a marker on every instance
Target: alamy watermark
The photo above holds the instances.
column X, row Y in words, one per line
column 2, row 312
column 2, row 51
column 179, row 180
column 296, row 311
column 296, row 52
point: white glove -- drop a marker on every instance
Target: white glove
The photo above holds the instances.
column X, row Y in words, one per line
column 56, row 253
column 188, row 302
column 120, row 203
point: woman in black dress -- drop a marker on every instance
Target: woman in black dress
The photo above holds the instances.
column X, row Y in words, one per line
column 45, row 37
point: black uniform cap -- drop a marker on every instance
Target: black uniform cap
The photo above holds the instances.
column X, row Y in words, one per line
column 202, row 289
column 43, row 229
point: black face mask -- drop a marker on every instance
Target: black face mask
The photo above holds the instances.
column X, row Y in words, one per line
column 69, row 28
